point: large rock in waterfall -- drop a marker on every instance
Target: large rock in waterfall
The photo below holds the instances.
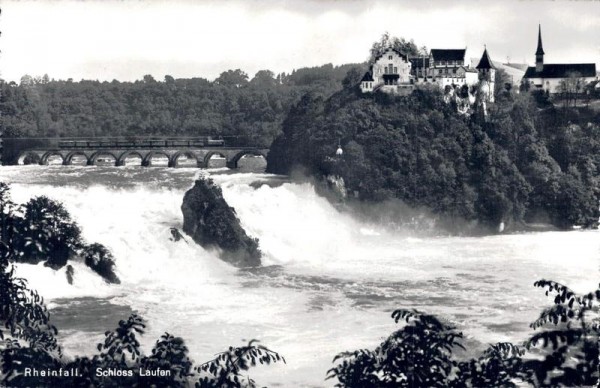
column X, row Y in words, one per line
column 210, row 221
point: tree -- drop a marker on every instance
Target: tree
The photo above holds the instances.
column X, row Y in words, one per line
column 264, row 79
column 570, row 88
column 48, row 232
column 229, row 367
column 417, row 355
column 571, row 349
column 386, row 41
column 169, row 80
column 27, row 80
column 148, row 79
column 353, row 77
column 236, row 78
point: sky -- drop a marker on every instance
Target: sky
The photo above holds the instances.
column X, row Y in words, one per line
column 125, row 40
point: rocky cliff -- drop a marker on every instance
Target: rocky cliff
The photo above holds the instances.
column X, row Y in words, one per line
column 211, row 222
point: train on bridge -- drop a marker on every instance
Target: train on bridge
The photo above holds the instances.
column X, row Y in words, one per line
column 205, row 141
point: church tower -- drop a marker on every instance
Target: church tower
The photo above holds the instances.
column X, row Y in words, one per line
column 487, row 77
column 539, row 54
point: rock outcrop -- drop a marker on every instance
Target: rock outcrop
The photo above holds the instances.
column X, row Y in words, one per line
column 210, row 221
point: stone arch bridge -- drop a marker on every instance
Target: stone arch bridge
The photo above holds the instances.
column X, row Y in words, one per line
column 147, row 151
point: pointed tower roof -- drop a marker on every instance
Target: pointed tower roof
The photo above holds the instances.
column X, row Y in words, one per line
column 367, row 77
column 540, row 50
column 485, row 62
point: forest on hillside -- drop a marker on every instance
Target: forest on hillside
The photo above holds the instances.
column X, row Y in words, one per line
column 524, row 161
column 249, row 111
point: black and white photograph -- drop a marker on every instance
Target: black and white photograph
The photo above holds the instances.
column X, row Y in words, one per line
column 299, row 193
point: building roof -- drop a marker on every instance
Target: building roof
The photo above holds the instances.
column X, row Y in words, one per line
column 448, row 54
column 540, row 50
column 367, row 77
column 485, row 62
column 391, row 49
column 562, row 70
column 468, row 69
column 419, row 62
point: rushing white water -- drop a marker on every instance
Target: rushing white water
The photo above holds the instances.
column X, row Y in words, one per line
column 328, row 284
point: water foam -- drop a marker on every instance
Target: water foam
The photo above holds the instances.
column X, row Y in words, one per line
column 330, row 280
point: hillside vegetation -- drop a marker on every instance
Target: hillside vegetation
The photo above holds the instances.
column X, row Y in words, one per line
column 519, row 163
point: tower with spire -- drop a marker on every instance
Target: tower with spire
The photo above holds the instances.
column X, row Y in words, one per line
column 487, row 77
column 550, row 77
column 539, row 53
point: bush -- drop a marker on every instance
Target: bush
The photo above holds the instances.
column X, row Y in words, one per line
column 42, row 231
column 48, row 233
column 99, row 259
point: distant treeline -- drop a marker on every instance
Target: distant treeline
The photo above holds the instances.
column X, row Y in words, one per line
column 232, row 105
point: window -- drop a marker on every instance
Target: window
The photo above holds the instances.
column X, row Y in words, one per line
column 440, row 71
column 454, row 71
column 390, row 57
column 395, row 70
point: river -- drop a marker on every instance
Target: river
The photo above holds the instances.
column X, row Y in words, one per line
column 329, row 280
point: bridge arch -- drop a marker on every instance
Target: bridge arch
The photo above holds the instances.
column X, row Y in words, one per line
column 71, row 155
column 123, row 157
column 96, row 156
column 211, row 154
column 188, row 154
column 49, row 154
column 29, row 158
column 147, row 161
column 233, row 163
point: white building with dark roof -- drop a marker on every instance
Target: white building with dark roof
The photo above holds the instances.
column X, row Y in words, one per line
column 389, row 72
column 549, row 77
column 444, row 67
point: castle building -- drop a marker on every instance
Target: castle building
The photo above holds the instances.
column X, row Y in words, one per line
column 393, row 72
column 390, row 72
column 549, row 77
